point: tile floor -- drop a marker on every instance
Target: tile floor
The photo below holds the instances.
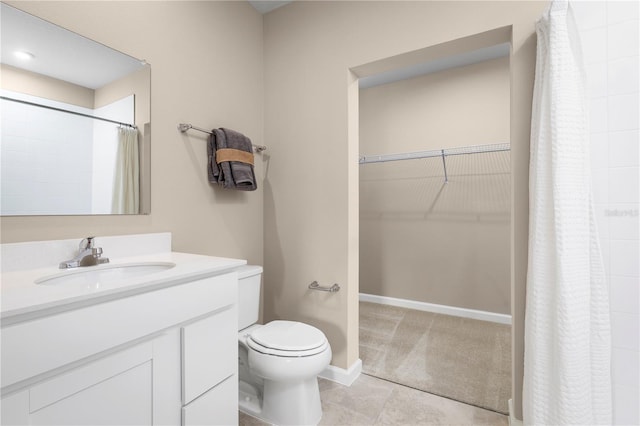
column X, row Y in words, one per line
column 373, row 401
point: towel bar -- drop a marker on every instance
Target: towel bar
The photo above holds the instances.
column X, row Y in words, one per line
column 315, row 286
column 183, row 127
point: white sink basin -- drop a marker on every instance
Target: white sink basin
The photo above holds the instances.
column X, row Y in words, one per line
column 95, row 276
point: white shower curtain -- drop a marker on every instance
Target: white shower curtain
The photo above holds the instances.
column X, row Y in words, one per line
column 567, row 376
column 126, row 189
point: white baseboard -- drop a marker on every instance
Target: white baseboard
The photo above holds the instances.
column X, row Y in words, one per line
column 342, row 376
column 439, row 309
column 512, row 420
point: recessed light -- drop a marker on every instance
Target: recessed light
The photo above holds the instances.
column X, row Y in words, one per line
column 24, row 55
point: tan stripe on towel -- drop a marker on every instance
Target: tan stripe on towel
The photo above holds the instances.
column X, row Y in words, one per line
column 230, row 154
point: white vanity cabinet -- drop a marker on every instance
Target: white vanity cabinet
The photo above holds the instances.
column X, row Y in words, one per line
column 167, row 355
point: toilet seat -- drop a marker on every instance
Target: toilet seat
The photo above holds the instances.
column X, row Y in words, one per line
column 284, row 353
column 288, row 339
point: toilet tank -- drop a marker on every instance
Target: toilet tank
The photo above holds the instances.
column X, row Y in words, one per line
column 249, row 278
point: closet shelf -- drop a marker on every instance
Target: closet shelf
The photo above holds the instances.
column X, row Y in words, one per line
column 442, row 153
column 477, row 149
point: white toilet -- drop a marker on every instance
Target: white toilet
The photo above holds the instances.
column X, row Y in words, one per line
column 278, row 362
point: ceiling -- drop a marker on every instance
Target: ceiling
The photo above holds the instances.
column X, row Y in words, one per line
column 59, row 53
column 266, row 6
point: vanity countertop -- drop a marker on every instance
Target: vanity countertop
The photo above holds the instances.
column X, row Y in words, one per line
column 23, row 299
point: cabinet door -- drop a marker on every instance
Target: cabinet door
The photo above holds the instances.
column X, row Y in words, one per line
column 219, row 406
column 113, row 390
column 15, row 409
column 210, row 352
column 121, row 400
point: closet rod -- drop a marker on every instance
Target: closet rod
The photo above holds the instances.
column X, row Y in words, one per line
column 183, row 127
column 4, row 98
column 477, row 149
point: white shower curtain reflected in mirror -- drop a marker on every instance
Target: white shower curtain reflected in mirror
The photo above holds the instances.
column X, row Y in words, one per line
column 126, row 189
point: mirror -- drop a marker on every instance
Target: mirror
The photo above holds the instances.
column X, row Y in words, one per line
column 75, row 123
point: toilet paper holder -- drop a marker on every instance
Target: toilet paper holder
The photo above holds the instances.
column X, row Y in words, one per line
column 315, row 286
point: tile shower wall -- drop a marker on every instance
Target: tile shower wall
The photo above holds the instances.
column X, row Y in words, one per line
column 41, row 153
column 609, row 32
column 58, row 163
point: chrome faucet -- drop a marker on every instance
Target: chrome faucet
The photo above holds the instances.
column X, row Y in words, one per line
column 88, row 255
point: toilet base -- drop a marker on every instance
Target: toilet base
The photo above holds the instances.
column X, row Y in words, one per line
column 286, row 403
column 249, row 400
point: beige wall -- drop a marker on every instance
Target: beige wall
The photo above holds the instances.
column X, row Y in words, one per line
column 22, row 81
column 422, row 239
column 205, row 72
column 461, row 106
column 312, row 177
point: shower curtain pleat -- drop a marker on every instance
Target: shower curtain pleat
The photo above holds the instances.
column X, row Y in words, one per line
column 126, row 189
column 567, row 378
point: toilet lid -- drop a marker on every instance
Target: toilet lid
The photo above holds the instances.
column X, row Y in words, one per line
column 257, row 347
column 289, row 336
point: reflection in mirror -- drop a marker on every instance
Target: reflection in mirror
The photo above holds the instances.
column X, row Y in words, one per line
column 75, row 131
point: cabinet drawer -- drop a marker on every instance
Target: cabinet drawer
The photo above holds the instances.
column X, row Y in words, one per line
column 209, row 352
column 219, row 406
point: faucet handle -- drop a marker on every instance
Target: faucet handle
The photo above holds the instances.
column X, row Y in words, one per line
column 86, row 243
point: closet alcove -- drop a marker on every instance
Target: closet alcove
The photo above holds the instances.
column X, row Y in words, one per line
column 434, row 221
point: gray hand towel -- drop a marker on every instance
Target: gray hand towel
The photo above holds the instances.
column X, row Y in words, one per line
column 231, row 174
column 213, row 170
